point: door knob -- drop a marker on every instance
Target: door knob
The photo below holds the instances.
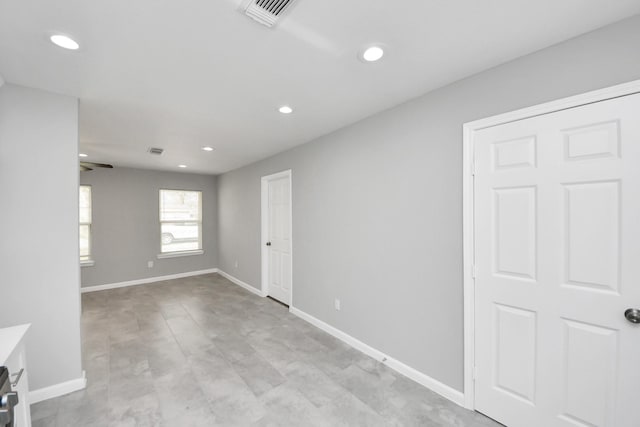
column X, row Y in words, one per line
column 9, row 400
column 632, row 315
column 268, row 243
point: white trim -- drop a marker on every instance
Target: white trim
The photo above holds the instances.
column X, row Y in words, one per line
column 561, row 104
column 242, row 284
column 264, row 221
column 87, row 263
column 56, row 390
column 468, row 257
column 146, row 280
column 469, row 130
column 432, row 384
column 264, row 236
column 180, row 253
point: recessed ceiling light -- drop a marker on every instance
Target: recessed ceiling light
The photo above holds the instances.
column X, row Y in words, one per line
column 285, row 109
column 207, row 148
column 372, row 53
column 182, row 166
column 64, row 42
column 82, row 155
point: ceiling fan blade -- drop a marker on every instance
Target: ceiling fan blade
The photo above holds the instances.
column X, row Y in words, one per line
column 96, row 165
column 84, row 168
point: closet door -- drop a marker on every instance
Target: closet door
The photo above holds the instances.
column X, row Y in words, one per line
column 558, row 266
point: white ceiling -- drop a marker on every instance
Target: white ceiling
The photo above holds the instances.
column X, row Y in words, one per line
column 184, row 74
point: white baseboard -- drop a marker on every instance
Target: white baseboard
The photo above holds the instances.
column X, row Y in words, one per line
column 432, row 384
column 56, row 390
column 241, row 283
column 146, row 280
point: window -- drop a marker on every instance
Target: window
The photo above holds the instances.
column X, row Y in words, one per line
column 180, row 221
column 85, row 223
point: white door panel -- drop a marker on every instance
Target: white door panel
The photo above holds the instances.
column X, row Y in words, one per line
column 279, row 238
column 557, row 219
column 515, row 349
column 514, row 234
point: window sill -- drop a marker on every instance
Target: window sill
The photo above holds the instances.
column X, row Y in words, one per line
column 179, row 254
column 87, row 263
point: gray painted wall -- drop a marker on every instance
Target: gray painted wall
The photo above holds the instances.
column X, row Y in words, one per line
column 39, row 273
column 377, row 206
column 125, row 226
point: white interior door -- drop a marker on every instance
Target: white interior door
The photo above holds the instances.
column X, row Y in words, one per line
column 278, row 237
column 557, row 219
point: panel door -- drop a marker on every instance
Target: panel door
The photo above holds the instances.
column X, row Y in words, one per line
column 279, row 237
column 557, row 248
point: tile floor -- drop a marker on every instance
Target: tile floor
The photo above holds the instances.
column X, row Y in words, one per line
column 202, row 351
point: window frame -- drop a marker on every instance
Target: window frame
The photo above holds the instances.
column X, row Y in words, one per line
column 179, row 253
column 86, row 260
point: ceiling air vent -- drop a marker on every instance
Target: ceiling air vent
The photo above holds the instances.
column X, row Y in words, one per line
column 267, row 12
column 157, row 151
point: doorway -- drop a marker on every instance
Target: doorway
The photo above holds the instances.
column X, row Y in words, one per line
column 276, row 237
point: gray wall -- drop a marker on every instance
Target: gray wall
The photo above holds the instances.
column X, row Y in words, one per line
column 377, row 206
column 126, row 230
column 39, row 273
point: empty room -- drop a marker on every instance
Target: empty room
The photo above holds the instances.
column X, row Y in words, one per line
column 319, row 213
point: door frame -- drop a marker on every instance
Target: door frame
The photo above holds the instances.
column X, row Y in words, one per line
column 468, row 205
column 264, row 218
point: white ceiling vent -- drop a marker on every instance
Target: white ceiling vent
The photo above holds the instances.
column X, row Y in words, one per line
column 156, row 151
column 267, row 12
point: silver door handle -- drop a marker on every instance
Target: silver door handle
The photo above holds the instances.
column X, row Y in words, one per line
column 9, row 400
column 632, row 315
column 17, row 378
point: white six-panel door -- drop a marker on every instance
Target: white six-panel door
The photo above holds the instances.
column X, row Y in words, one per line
column 557, row 246
column 278, row 237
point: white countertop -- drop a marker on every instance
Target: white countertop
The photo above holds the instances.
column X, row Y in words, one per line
column 9, row 340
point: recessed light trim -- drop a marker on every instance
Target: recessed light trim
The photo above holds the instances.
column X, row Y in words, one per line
column 207, row 148
column 285, row 109
column 83, row 155
column 182, row 166
column 64, row 42
column 373, row 53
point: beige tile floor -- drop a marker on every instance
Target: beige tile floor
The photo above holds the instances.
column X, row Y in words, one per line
column 201, row 351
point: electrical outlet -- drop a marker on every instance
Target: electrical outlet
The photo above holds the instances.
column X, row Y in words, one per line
column 336, row 304
column 150, row 264
column 236, row 264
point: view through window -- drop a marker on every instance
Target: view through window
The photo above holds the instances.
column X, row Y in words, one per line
column 180, row 220
column 85, row 223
